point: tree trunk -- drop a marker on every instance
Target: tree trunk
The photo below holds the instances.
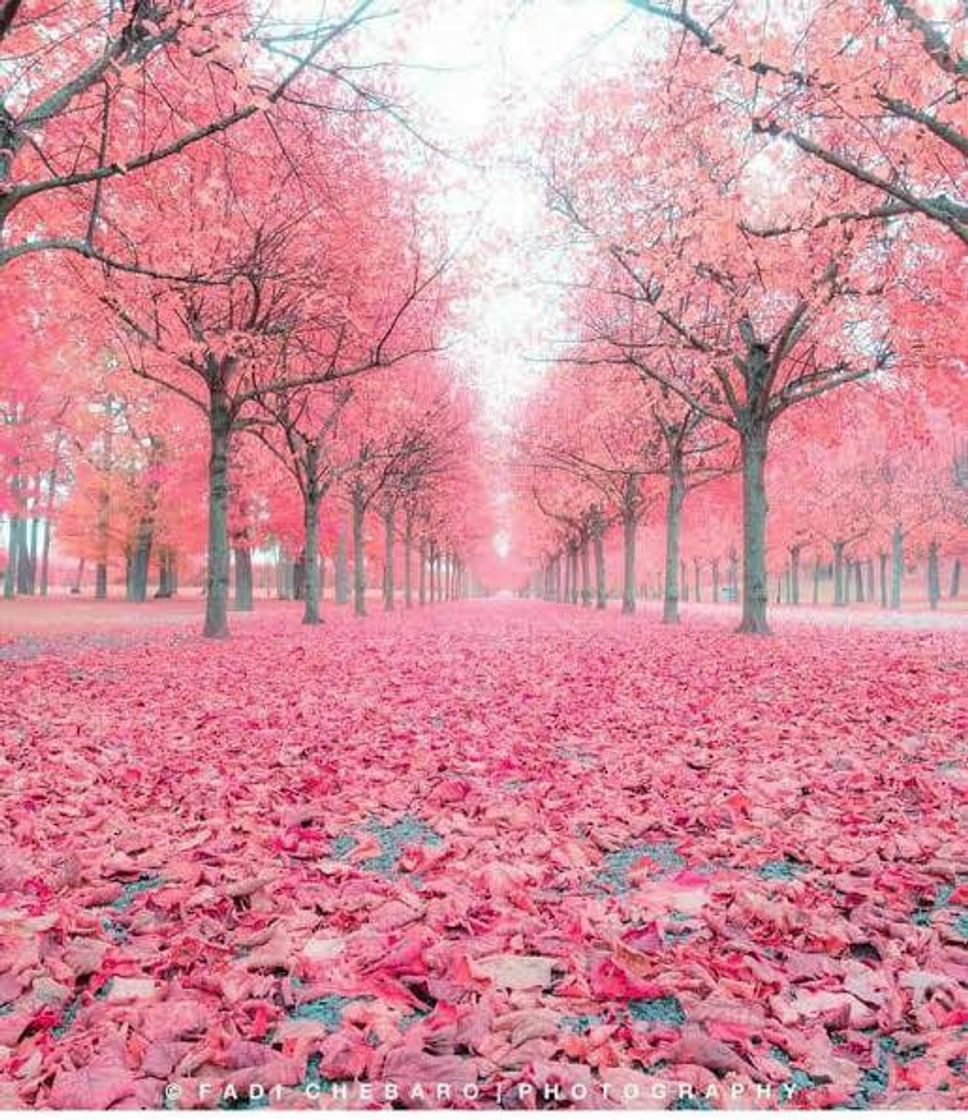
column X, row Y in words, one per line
column 282, row 562
column 297, row 573
column 629, row 524
column 23, row 558
column 389, row 540
column 164, row 578
column 243, row 579
column 342, row 578
column 573, row 563
column 955, row 587
column 934, row 575
column 79, row 578
column 858, row 581
column 676, row 495
column 408, row 560
column 422, row 553
column 697, row 572
column 101, row 580
column 869, row 578
column 897, row 566
column 32, row 566
column 882, row 557
column 101, row 572
column 48, row 521
column 715, row 575
column 141, row 556
column 601, row 591
column 359, row 572
column 217, row 575
column 13, row 548
column 795, row 574
column 755, row 508
column 840, row 586
column 45, row 558
column 433, row 590
column 311, row 533
column 586, row 576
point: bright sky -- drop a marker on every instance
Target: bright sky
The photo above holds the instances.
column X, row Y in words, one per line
column 477, row 71
column 490, row 72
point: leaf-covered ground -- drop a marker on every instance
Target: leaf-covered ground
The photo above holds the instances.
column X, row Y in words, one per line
column 522, row 849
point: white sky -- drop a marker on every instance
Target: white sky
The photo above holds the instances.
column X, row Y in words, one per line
column 491, row 73
column 477, row 71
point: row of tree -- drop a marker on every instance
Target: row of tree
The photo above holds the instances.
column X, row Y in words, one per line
column 761, row 227
column 219, row 294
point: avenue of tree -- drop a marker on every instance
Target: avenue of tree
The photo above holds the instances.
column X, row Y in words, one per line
column 226, row 305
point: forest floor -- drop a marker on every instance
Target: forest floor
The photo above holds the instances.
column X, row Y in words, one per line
column 508, row 849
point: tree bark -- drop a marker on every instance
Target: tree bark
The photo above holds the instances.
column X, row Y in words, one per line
column 795, row 574
column 32, row 563
column 141, row 554
column 629, row 524
column 359, row 572
column 79, row 578
column 422, row 553
column 311, row 532
column 104, row 514
column 697, row 571
column 586, row 577
column 389, row 540
column 897, row 566
column 840, row 585
column 674, row 500
column 934, row 575
column 753, row 445
column 217, row 576
column 715, row 577
column 45, row 550
column 601, row 591
column 955, row 587
column 45, row 558
column 408, row 560
column 164, row 575
column 13, row 548
column 342, row 578
column 243, row 579
column 882, row 557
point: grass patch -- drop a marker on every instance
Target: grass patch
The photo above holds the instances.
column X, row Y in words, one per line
column 665, row 1009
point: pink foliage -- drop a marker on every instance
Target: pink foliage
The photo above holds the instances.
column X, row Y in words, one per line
column 497, row 846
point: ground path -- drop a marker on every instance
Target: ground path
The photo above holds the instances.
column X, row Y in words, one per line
column 491, row 845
